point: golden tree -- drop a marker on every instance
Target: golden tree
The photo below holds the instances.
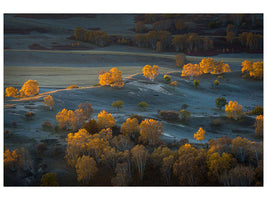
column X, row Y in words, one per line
column 140, row 156
column 49, row 102
column 240, row 148
column 207, row 65
column 200, row 134
column 158, row 155
column 254, row 69
column 106, row 134
column 150, row 131
column 150, row 73
column 11, row 92
column 96, row 147
column 62, row 118
column 191, row 70
column 259, row 125
column 86, row 168
column 111, row 156
column 29, row 88
column 130, row 127
column 112, row 78
column 220, row 67
column 105, row 120
column 233, row 110
column 166, row 168
column 86, row 109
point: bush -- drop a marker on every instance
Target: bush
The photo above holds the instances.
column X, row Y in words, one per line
column 142, row 105
column 220, row 102
column 216, row 83
column 29, row 115
column 72, row 86
column 117, row 104
column 258, row 110
column 47, row 125
column 185, row 115
column 196, row 83
column 138, row 117
column 169, row 115
column 216, row 123
column 167, row 78
column 174, row 83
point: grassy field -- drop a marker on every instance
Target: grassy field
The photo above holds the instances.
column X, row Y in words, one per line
column 61, row 77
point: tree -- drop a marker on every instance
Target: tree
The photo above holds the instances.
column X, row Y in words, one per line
column 230, row 36
column 29, row 88
column 180, row 60
column 111, row 156
column 150, row 73
column 118, row 104
column 220, row 145
column 220, row 102
column 240, row 148
column 49, row 179
column 121, row 142
column 233, row 110
column 105, row 120
column 254, row 69
column 140, row 27
column 219, row 167
column 196, row 83
column 242, row 175
column 91, row 126
column 185, row 115
column 142, row 105
column 259, row 126
column 200, row 134
column 49, row 102
column 106, row 134
column 150, row 131
column 62, row 118
column 11, row 92
column 220, row 67
column 179, row 42
column 207, row 65
column 191, row 70
column 159, row 154
column 121, row 178
column 87, row 110
column 216, row 83
column 86, row 169
column 140, row 156
column 130, row 127
column 166, row 168
column 112, row 78
column 185, row 166
column 167, row 78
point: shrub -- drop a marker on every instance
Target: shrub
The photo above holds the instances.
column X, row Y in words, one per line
column 169, row 115
column 11, row 92
column 185, row 115
column 220, row 77
column 47, row 125
column 216, row 83
column 196, row 83
column 174, row 83
column 258, row 110
column 142, row 105
column 72, row 86
column 29, row 115
column 216, row 123
column 167, row 78
column 49, row 179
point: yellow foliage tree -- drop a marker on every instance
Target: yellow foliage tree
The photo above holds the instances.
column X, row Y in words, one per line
column 106, row 134
column 130, row 127
column 220, row 67
column 259, row 125
column 150, row 73
column 191, row 70
column 254, row 69
column 29, row 88
column 233, row 110
column 62, row 118
column 11, row 92
column 105, row 120
column 200, row 134
column 207, row 65
column 49, row 102
column 150, row 131
column 112, row 78
column 86, row 168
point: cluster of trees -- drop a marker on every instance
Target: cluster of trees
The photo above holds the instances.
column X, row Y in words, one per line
column 29, row 88
column 207, row 65
column 98, row 38
column 190, row 42
column 150, row 72
column 112, row 78
column 255, row 69
column 68, row 119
